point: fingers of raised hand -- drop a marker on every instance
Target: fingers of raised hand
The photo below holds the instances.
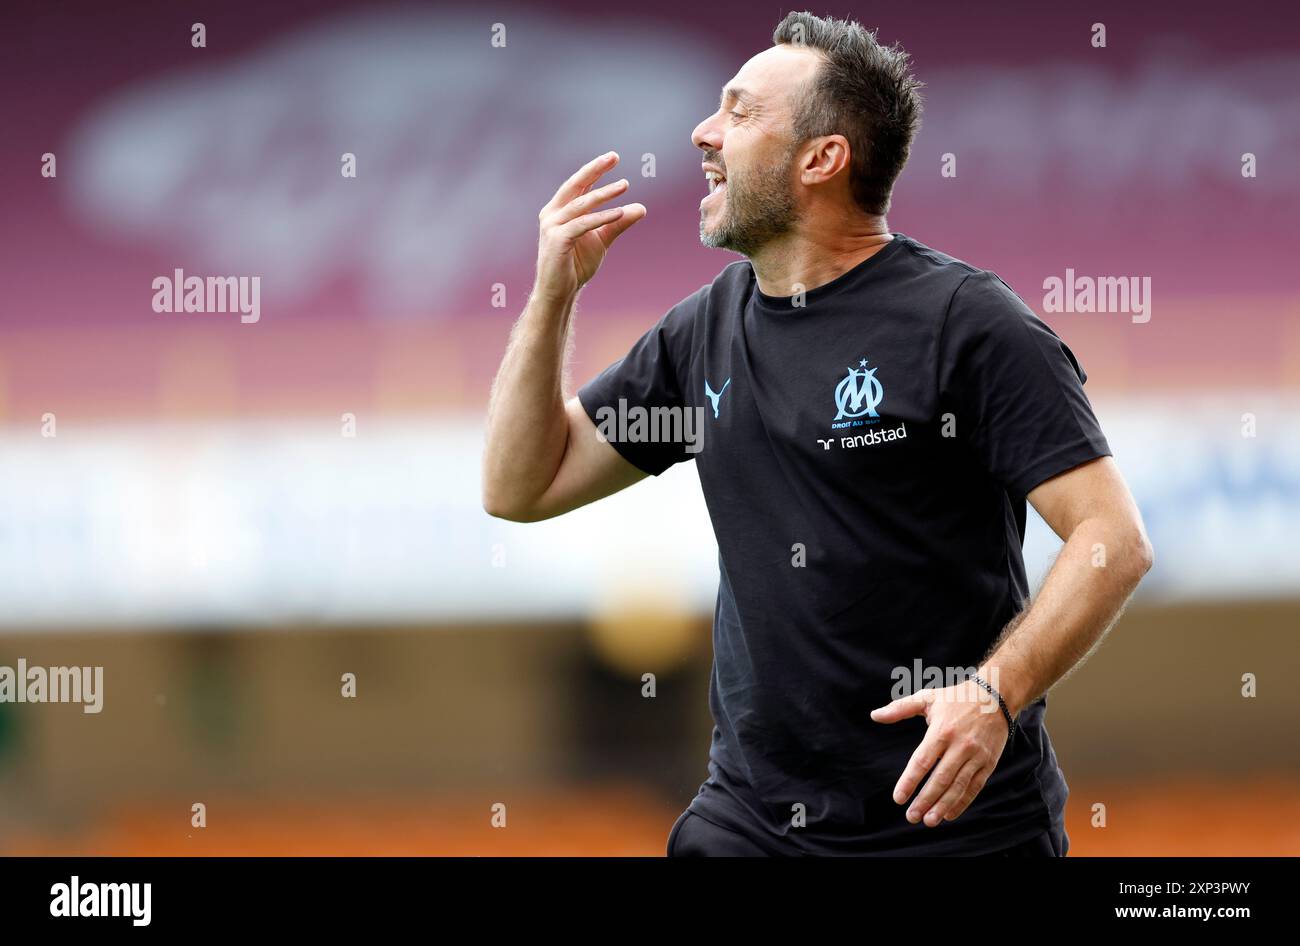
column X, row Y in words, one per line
column 585, row 203
column 583, row 178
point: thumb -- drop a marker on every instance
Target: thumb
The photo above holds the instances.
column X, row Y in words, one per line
column 611, row 231
column 904, row 707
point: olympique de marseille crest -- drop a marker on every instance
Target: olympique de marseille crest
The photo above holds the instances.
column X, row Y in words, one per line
column 859, row 393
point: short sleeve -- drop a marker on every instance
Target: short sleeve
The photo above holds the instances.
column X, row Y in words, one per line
column 1015, row 388
column 637, row 403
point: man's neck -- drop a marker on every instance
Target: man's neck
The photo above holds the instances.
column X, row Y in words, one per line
column 803, row 261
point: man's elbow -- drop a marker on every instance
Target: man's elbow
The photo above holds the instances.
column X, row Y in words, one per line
column 501, row 505
column 1148, row 558
column 1140, row 551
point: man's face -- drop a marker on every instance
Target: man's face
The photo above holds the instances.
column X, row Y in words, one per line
column 749, row 143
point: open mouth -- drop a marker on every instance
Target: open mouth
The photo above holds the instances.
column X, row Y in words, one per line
column 717, row 183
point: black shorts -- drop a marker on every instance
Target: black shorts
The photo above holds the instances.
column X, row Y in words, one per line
column 693, row 836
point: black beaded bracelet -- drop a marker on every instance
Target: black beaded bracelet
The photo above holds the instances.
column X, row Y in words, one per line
column 1011, row 723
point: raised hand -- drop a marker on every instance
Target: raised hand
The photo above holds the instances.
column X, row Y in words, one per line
column 574, row 235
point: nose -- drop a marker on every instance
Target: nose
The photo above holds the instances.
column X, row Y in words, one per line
column 707, row 136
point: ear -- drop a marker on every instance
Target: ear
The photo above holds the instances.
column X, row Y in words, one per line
column 823, row 158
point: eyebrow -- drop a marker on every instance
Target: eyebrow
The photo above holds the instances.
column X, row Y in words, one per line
column 737, row 93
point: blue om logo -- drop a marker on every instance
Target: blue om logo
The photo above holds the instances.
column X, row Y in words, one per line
column 859, row 393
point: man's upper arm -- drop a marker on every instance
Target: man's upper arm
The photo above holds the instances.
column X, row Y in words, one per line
column 645, row 379
column 1015, row 388
column 1092, row 490
column 591, row 468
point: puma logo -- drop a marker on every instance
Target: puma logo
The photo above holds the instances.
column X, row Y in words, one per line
column 715, row 396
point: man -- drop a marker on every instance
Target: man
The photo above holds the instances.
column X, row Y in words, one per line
column 877, row 415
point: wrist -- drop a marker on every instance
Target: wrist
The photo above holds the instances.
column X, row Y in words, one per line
column 1006, row 685
column 553, row 298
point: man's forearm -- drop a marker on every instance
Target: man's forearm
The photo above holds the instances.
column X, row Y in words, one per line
column 1084, row 594
column 527, row 430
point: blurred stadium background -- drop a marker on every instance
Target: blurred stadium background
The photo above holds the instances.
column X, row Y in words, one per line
column 202, row 529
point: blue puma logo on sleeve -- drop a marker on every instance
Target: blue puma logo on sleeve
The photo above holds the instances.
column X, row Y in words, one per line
column 714, row 396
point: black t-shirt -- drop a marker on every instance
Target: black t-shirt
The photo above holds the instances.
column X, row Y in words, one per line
column 865, row 461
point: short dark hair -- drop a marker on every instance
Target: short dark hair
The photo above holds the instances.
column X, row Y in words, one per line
column 863, row 91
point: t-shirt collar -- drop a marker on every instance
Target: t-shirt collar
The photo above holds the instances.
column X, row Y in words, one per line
column 783, row 305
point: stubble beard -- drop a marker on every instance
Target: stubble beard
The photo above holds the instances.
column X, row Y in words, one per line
column 759, row 208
